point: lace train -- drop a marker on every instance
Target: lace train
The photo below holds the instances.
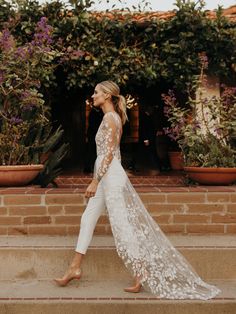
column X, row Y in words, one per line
column 143, row 247
column 141, row 244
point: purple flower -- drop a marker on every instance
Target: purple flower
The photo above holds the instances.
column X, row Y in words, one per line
column 218, row 131
column 43, row 34
column 6, row 40
column 1, row 77
column 16, row 120
column 30, row 49
column 167, row 111
column 204, row 60
column 205, row 101
column 173, row 133
column 25, row 94
column 228, row 96
column 77, row 53
column 21, row 53
column 28, row 107
column 196, row 125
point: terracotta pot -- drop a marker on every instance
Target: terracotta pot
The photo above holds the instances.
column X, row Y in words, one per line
column 18, row 175
column 211, row 176
column 176, row 160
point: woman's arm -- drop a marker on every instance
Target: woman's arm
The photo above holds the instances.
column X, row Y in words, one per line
column 110, row 142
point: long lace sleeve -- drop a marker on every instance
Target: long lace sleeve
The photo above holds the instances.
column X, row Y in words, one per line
column 109, row 144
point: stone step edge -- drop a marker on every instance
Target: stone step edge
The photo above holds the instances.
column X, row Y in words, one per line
column 113, row 298
column 179, row 241
column 112, row 247
column 130, row 297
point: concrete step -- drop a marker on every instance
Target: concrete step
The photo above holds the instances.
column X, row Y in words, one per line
column 104, row 297
column 28, row 265
column 44, row 257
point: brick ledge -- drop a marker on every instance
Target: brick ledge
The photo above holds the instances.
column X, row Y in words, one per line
column 142, row 189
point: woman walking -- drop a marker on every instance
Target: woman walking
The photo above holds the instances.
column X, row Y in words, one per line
column 143, row 247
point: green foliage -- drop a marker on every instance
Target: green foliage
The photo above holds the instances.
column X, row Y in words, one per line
column 91, row 48
column 56, row 154
column 130, row 52
column 209, row 152
column 206, row 130
column 23, row 115
column 24, row 118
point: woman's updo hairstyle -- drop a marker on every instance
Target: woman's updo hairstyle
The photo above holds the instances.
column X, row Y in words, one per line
column 119, row 102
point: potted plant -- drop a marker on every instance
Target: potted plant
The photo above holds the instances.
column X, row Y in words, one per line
column 176, row 160
column 205, row 130
column 25, row 130
column 174, row 152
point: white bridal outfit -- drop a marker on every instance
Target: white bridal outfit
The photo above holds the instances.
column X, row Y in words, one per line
column 141, row 244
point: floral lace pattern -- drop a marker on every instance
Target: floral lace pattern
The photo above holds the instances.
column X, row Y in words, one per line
column 141, row 244
column 107, row 141
column 147, row 252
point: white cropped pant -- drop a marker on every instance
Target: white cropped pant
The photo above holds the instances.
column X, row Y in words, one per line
column 114, row 179
column 95, row 208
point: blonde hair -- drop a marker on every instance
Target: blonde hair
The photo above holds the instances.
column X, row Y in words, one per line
column 118, row 100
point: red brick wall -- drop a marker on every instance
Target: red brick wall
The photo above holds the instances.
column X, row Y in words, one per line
column 58, row 211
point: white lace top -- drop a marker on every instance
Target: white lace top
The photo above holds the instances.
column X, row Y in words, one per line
column 108, row 141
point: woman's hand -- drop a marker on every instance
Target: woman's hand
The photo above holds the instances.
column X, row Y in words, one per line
column 92, row 188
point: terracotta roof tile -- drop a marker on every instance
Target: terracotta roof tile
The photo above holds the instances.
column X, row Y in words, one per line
column 229, row 13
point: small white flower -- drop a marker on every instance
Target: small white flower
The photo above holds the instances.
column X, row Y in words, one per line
column 95, row 62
